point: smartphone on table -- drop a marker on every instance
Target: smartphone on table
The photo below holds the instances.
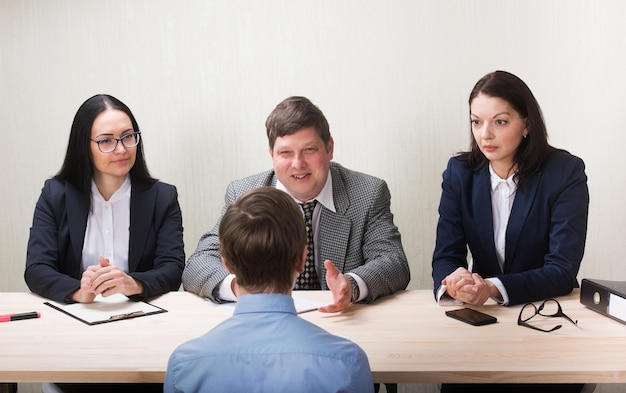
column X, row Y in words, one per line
column 471, row 316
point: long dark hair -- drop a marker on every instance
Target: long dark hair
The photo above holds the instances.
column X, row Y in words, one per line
column 532, row 150
column 77, row 167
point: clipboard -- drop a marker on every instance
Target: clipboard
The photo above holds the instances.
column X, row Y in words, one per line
column 106, row 309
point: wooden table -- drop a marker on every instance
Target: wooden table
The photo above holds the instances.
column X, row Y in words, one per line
column 406, row 336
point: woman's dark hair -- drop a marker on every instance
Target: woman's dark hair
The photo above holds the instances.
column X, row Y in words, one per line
column 532, row 150
column 77, row 167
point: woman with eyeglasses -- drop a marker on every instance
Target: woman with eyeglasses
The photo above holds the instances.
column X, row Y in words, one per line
column 518, row 204
column 102, row 224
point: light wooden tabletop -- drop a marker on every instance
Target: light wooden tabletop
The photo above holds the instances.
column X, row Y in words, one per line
column 407, row 337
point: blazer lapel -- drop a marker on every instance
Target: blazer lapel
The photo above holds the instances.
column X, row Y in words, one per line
column 77, row 208
column 519, row 212
column 483, row 214
column 335, row 227
column 142, row 203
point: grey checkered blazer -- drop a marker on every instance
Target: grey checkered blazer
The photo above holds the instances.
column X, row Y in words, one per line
column 360, row 237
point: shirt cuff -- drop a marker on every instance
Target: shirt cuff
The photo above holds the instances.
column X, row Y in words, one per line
column 362, row 286
column 225, row 291
column 443, row 299
column 505, row 296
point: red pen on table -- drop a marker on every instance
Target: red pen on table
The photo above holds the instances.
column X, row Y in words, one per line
column 19, row 317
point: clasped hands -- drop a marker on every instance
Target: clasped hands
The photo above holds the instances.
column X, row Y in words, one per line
column 106, row 280
column 469, row 287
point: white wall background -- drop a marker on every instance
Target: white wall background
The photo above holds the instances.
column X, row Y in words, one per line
column 392, row 78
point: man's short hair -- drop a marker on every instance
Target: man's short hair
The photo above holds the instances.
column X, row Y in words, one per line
column 262, row 238
column 293, row 114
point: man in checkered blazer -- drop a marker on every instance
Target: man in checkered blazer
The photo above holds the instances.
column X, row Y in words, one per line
column 358, row 251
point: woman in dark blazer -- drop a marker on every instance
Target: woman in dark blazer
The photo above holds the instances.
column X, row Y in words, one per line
column 536, row 253
column 103, row 225
column 518, row 204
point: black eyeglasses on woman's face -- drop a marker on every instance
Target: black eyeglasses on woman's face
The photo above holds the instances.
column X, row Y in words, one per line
column 549, row 308
column 109, row 144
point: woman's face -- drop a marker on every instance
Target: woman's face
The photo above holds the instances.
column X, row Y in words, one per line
column 498, row 130
column 112, row 123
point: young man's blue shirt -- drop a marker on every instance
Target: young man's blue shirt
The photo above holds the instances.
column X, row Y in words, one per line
column 266, row 347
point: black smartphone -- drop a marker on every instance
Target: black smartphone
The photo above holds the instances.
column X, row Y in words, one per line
column 471, row 316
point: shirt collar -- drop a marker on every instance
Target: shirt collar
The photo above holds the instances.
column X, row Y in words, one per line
column 496, row 180
column 121, row 193
column 325, row 197
column 265, row 302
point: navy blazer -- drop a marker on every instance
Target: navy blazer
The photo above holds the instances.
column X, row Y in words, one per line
column 545, row 236
column 156, row 251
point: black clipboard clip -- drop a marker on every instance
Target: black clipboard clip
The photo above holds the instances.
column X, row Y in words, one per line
column 127, row 315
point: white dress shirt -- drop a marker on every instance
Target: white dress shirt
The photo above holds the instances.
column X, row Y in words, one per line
column 108, row 224
column 502, row 197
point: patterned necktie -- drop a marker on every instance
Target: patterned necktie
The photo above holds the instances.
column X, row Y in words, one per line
column 308, row 278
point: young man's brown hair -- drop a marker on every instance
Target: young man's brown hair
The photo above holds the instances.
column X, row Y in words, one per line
column 263, row 239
